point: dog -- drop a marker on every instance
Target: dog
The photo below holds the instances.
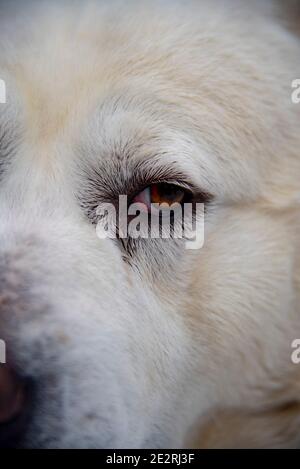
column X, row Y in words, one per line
column 143, row 343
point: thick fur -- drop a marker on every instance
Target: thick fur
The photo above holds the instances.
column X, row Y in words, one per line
column 169, row 347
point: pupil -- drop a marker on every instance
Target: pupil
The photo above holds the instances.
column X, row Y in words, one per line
column 169, row 191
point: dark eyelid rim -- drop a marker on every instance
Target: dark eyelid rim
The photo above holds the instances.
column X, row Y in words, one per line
column 167, row 175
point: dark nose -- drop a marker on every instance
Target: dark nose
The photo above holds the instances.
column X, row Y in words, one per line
column 13, row 407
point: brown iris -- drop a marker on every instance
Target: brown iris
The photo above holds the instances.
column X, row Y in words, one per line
column 162, row 193
column 166, row 193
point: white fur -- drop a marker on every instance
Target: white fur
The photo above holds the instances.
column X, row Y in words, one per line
column 180, row 348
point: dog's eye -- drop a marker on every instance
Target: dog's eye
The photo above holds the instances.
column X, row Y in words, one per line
column 162, row 193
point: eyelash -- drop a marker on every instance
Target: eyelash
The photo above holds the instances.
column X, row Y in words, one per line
column 103, row 188
column 141, row 183
column 135, row 193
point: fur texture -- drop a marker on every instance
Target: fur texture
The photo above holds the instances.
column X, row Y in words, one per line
column 173, row 348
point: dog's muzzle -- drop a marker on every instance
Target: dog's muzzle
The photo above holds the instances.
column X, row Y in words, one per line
column 69, row 380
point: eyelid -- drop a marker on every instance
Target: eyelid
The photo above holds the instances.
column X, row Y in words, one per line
column 146, row 185
column 102, row 184
column 197, row 195
column 10, row 136
column 151, row 172
column 6, row 145
column 143, row 197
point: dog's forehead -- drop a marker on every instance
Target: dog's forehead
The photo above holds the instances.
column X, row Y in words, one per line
column 62, row 67
column 202, row 87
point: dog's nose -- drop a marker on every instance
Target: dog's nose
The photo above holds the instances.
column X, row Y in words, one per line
column 13, row 400
column 12, row 394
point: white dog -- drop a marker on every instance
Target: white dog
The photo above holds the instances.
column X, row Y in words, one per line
column 143, row 343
